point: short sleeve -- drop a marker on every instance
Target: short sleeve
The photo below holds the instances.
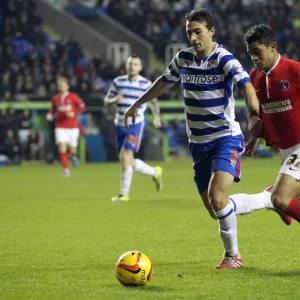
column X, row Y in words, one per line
column 172, row 73
column 234, row 70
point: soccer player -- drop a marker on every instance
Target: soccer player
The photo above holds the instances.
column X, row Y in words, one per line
column 208, row 72
column 124, row 91
column 65, row 107
column 277, row 84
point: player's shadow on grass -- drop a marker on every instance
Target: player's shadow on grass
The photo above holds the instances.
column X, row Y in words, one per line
column 286, row 274
column 148, row 288
column 266, row 273
column 162, row 200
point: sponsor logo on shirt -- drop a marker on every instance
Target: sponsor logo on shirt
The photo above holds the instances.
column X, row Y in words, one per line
column 277, row 106
column 186, row 78
column 63, row 108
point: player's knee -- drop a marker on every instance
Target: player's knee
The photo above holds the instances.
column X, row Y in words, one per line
column 279, row 200
column 217, row 199
column 62, row 148
column 125, row 157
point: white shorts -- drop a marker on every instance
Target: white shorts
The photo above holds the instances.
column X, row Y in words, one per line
column 67, row 135
column 23, row 135
column 290, row 162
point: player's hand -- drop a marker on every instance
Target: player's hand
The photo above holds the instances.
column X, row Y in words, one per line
column 130, row 112
column 49, row 117
column 157, row 122
column 119, row 98
column 255, row 126
column 70, row 114
column 251, row 146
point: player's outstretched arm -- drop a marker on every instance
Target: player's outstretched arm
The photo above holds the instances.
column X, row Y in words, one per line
column 154, row 106
column 254, row 124
column 156, row 89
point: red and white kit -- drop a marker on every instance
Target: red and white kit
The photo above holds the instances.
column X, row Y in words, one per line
column 66, row 128
column 278, row 92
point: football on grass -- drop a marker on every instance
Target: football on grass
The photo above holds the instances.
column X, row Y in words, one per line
column 134, row 268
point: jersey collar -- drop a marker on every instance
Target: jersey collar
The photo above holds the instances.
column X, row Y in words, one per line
column 137, row 79
column 204, row 59
column 268, row 73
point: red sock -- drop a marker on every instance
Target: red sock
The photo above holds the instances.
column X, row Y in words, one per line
column 293, row 209
column 64, row 159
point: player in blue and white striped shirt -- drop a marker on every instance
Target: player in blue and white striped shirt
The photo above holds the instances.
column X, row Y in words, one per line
column 207, row 73
column 124, row 91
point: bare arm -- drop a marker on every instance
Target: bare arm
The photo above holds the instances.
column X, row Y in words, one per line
column 110, row 100
column 156, row 89
column 154, row 106
column 251, row 100
column 50, row 114
column 253, row 117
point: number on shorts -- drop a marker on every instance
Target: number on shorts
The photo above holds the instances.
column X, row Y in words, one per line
column 292, row 159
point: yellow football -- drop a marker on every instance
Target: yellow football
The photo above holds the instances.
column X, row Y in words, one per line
column 134, row 268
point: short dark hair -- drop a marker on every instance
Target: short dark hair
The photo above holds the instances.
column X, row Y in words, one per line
column 261, row 33
column 201, row 15
column 134, row 55
column 64, row 78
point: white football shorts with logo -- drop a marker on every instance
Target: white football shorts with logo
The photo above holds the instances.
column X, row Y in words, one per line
column 67, row 135
column 290, row 160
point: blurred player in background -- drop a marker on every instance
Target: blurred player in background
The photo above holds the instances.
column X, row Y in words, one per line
column 277, row 84
column 208, row 72
column 64, row 108
column 124, row 91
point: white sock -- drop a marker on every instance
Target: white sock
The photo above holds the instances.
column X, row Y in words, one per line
column 228, row 229
column 143, row 168
column 126, row 177
column 245, row 204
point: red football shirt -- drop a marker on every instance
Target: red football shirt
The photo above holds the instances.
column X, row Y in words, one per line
column 278, row 92
column 61, row 104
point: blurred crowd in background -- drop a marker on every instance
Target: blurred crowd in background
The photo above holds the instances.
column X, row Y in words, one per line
column 163, row 22
column 30, row 60
column 18, row 137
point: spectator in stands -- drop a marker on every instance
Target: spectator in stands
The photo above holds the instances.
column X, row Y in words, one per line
column 2, row 126
column 25, row 124
column 11, row 120
column 32, row 147
column 12, row 147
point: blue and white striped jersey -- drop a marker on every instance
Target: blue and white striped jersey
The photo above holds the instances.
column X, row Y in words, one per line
column 208, row 92
column 131, row 90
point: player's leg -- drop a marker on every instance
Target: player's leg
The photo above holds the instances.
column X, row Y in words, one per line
column 126, row 158
column 219, row 186
column 244, row 204
column 73, row 143
column 62, row 140
column 202, row 174
column 205, row 200
column 247, row 203
column 139, row 165
column 287, row 187
column 226, row 168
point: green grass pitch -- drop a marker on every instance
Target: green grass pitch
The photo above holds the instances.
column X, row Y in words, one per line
column 61, row 237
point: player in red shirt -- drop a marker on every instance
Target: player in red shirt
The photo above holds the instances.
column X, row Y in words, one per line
column 277, row 84
column 65, row 106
